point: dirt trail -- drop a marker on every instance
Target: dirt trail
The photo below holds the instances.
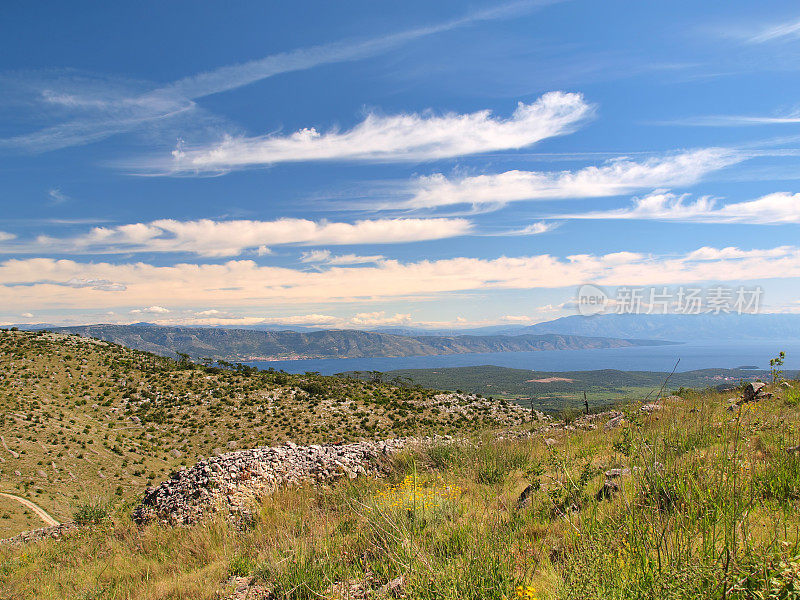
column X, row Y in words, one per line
column 40, row 512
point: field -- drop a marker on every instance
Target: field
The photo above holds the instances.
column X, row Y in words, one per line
column 552, row 391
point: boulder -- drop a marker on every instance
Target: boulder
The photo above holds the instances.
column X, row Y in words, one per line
column 609, row 489
column 525, row 497
column 753, row 390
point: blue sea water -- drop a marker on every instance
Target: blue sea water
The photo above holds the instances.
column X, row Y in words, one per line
column 695, row 355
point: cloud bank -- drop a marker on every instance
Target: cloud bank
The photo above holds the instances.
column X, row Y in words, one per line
column 41, row 283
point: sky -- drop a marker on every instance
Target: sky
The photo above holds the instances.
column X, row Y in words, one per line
column 365, row 164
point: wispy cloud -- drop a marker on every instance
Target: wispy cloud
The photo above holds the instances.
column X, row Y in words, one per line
column 97, row 108
column 327, row 258
column 734, row 120
column 781, row 31
column 613, row 178
column 57, row 196
column 230, row 238
column 772, row 209
column 532, row 229
column 396, row 138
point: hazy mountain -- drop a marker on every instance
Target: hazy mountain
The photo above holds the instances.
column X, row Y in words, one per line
column 243, row 345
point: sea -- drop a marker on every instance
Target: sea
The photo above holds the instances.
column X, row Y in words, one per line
column 688, row 357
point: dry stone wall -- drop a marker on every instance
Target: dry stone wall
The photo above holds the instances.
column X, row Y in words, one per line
column 234, row 480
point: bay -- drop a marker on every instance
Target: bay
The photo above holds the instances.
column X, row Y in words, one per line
column 692, row 355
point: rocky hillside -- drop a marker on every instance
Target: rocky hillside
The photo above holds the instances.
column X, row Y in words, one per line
column 81, row 418
column 246, row 345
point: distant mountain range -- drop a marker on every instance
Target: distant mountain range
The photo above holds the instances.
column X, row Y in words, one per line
column 249, row 345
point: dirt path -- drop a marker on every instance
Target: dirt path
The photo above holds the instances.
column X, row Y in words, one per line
column 40, row 512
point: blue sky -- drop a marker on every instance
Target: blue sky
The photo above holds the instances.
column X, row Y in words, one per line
column 362, row 164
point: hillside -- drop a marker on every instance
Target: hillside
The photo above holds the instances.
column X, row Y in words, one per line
column 247, row 345
column 686, row 498
column 81, row 418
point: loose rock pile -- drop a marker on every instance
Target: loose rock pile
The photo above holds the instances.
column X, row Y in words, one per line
column 234, row 480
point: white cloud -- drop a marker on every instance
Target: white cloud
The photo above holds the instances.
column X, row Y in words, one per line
column 372, row 319
column 27, row 315
column 230, row 238
column 4, row 236
column 325, row 257
column 517, row 319
column 405, row 137
column 613, row 178
column 153, row 310
column 772, row 209
column 39, row 283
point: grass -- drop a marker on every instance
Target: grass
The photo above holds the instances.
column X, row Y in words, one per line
column 710, row 510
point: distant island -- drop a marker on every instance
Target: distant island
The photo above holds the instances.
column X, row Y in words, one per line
column 248, row 345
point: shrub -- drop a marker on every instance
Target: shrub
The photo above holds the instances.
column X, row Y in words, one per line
column 569, row 414
column 240, row 566
column 90, row 513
